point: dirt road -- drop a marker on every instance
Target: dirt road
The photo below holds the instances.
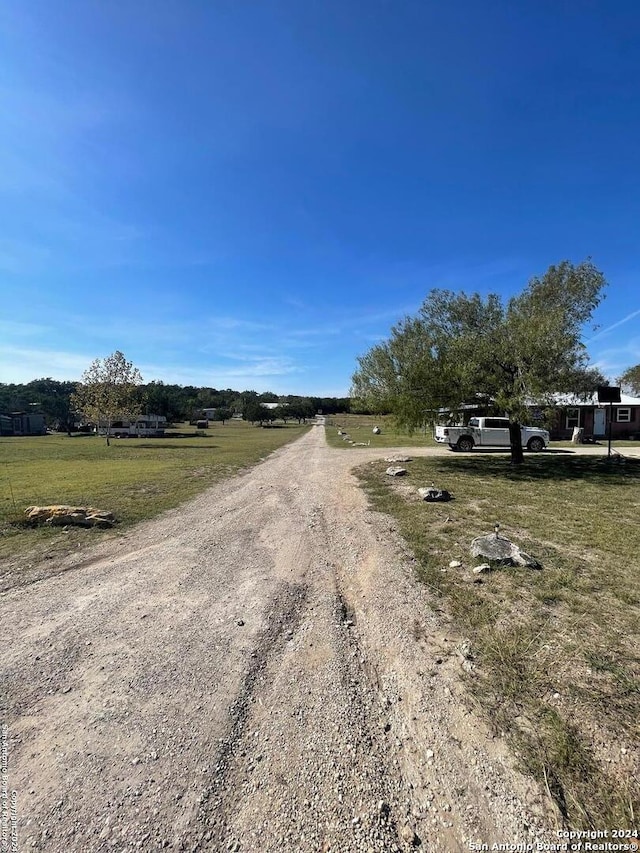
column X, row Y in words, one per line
column 254, row 671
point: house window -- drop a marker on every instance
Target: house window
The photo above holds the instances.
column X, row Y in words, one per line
column 573, row 418
column 624, row 416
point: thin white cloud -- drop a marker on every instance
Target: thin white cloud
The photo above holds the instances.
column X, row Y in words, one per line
column 351, row 322
column 614, row 360
column 212, row 336
column 420, row 277
column 374, row 339
column 613, row 326
column 235, row 324
column 81, row 240
column 10, row 329
column 260, row 375
column 22, row 364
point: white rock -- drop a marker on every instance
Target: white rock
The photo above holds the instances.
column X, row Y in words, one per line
column 431, row 494
column 454, row 564
column 465, row 648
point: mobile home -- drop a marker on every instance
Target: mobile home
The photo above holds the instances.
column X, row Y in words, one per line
column 143, row 427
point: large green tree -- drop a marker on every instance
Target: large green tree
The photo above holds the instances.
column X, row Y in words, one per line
column 222, row 414
column 630, row 380
column 255, row 412
column 462, row 348
column 109, row 391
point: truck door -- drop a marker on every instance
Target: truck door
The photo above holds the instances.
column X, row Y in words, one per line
column 496, row 432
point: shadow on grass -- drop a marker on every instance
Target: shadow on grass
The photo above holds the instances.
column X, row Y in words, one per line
column 497, row 451
column 159, row 446
column 598, row 469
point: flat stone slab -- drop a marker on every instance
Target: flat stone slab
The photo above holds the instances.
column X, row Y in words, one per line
column 433, row 495
column 396, row 471
column 63, row 514
column 499, row 549
column 398, row 459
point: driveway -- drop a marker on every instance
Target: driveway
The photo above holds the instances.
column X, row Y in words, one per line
column 256, row 670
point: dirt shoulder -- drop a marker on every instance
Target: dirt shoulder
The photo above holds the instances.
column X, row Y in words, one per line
column 245, row 673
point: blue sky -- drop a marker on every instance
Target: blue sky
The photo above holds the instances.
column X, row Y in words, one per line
column 249, row 193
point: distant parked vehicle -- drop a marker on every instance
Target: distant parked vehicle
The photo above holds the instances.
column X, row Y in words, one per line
column 489, row 432
column 144, row 427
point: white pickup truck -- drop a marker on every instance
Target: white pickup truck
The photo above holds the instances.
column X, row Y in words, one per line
column 489, row 432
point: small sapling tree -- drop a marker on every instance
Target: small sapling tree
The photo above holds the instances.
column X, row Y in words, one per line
column 109, row 391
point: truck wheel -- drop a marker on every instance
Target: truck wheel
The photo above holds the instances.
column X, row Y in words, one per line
column 465, row 444
column 536, row 444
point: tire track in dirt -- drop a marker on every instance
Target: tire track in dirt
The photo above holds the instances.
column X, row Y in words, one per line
column 241, row 674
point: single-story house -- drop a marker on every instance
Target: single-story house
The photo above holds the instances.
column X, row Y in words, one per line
column 594, row 417
column 22, row 423
column 571, row 411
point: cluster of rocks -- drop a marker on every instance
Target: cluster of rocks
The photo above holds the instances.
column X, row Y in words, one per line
column 395, row 470
column 494, row 548
column 428, row 493
column 497, row 551
column 346, row 437
column 60, row 515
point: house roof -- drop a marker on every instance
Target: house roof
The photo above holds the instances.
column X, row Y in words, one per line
column 574, row 401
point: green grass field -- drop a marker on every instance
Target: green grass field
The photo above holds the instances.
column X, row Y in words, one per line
column 133, row 478
column 359, row 428
column 557, row 651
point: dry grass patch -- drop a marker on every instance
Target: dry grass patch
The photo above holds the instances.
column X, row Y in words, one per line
column 556, row 650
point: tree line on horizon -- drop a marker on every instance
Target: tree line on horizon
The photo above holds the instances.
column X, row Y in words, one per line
column 177, row 403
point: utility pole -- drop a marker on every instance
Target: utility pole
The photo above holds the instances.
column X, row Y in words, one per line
column 609, row 394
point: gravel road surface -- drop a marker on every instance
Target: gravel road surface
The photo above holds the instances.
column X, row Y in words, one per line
column 254, row 671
